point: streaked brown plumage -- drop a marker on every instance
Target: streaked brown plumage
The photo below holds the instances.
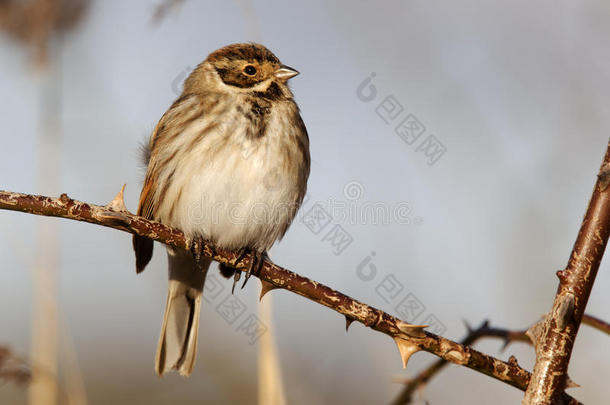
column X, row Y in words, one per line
column 228, row 162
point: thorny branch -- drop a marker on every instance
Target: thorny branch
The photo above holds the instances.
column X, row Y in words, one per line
column 422, row 378
column 555, row 334
column 409, row 338
column 416, row 383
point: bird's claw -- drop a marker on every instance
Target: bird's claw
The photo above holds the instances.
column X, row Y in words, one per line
column 236, row 277
column 256, row 265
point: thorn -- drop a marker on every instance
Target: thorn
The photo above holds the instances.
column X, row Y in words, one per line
column 118, row 202
column 348, row 322
column 116, row 205
column 406, row 350
column 561, row 275
column 412, row 330
column 512, row 360
column 265, row 288
column 570, row 383
column 534, row 332
column 604, row 177
column 531, row 333
column 64, row 198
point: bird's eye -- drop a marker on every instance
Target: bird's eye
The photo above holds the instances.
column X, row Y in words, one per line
column 250, row 70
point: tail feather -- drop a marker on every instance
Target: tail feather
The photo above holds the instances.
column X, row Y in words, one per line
column 177, row 348
column 143, row 248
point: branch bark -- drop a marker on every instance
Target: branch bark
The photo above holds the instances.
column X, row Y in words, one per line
column 409, row 338
column 422, row 378
column 483, row 331
column 554, row 335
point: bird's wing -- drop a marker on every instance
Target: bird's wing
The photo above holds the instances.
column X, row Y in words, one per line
column 142, row 246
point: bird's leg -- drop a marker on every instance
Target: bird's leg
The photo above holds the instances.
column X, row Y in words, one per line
column 196, row 247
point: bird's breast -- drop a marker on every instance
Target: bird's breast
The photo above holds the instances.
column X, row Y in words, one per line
column 235, row 183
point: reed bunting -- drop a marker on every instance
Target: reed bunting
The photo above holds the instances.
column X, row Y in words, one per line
column 228, row 162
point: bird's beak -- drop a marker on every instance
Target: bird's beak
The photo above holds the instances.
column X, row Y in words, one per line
column 284, row 73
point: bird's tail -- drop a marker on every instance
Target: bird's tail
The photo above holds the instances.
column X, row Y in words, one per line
column 177, row 348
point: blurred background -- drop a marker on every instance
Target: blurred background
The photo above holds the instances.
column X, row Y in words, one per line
column 473, row 129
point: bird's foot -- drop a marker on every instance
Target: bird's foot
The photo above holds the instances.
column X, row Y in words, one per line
column 243, row 252
column 196, row 247
column 256, row 265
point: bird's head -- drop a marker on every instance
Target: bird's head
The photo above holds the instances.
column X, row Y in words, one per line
column 242, row 68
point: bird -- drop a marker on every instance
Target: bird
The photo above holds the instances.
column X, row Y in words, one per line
column 228, row 162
